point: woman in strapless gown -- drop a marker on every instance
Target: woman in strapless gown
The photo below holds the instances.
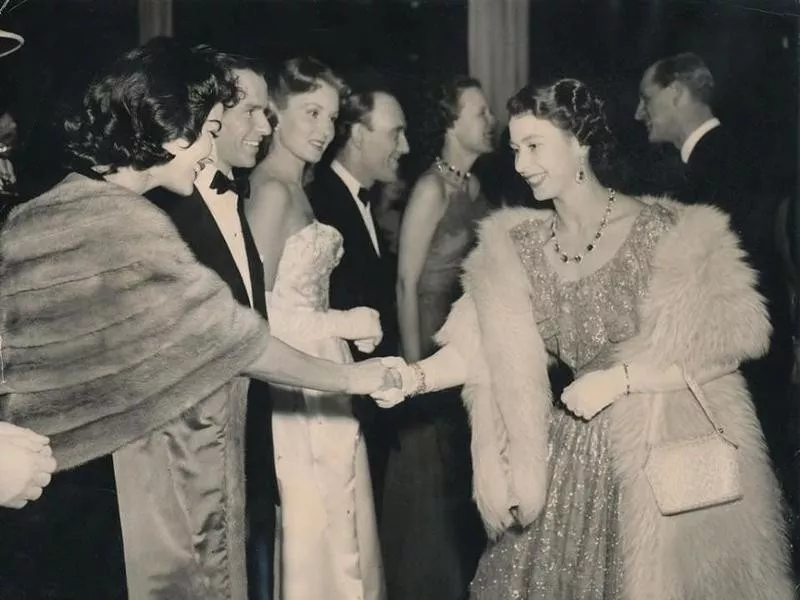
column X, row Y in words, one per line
column 328, row 534
column 431, row 532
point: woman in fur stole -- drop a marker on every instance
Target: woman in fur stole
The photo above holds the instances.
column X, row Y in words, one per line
column 117, row 342
column 638, row 296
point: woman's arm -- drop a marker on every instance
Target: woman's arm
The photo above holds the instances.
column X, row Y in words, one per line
column 426, row 206
column 444, row 369
column 646, row 378
column 282, row 364
column 591, row 393
column 268, row 212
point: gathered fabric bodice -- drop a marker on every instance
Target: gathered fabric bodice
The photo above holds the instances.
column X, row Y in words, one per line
column 303, row 277
column 580, row 321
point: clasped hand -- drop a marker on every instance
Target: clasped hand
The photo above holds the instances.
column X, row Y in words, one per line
column 404, row 379
column 592, row 392
column 385, row 379
column 26, row 465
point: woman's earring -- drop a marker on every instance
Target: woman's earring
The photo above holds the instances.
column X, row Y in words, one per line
column 580, row 176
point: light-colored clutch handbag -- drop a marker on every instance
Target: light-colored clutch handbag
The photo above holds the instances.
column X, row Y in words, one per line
column 695, row 473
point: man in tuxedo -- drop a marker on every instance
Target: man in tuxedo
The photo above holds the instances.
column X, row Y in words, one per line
column 675, row 98
column 212, row 223
column 371, row 139
column 675, row 106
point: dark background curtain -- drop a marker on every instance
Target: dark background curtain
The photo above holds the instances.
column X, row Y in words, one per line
column 751, row 47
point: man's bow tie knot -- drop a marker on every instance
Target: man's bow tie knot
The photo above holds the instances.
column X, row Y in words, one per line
column 222, row 183
column 366, row 195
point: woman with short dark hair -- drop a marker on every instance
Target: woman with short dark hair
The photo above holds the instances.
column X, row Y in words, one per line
column 118, row 344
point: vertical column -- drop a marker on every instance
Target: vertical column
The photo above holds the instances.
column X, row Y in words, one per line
column 795, row 198
column 155, row 18
column 499, row 46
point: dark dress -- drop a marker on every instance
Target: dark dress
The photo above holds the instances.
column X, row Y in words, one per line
column 572, row 550
column 431, row 532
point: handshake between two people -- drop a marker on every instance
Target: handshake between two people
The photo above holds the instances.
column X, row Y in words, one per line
column 389, row 380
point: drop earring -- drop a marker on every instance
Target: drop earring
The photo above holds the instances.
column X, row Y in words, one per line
column 580, row 176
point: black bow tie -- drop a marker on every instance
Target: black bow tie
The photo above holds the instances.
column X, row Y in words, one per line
column 221, row 184
column 366, row 196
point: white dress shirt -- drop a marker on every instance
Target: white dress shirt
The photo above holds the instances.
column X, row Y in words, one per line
column 223, row 208
column 354, row 186
column 694, row 137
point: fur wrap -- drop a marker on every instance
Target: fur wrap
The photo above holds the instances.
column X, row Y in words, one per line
column 116, row 340
column 110, row 327
column 701, row 308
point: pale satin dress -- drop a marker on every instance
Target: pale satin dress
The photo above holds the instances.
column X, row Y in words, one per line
column 572, row 551
column 329, row 537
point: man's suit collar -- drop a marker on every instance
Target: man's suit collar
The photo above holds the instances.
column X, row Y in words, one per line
column 199, row 228
column 696, row 135
column 329, row 187
column 349, row 180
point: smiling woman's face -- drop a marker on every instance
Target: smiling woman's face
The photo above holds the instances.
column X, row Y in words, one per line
column 544, row 155
column 178, row 175
column 306, row 123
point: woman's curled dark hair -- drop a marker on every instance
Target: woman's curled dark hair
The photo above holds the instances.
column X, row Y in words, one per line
column 441, row 108
column 154, row 94
column 571, row 106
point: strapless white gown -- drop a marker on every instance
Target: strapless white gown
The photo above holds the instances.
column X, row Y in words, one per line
column 330, row 547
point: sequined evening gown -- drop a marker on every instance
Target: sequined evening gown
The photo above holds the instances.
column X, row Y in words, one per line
column 571, row 552
column 329, row 536
column 431, row 532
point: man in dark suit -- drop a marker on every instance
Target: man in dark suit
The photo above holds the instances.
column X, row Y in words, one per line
column 212, row 223
column 675, row 106
column 370, row 142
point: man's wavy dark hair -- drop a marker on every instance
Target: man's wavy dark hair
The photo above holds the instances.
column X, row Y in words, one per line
column 156, row 93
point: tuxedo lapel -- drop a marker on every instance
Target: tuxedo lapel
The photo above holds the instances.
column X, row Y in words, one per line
column 199, row 229
column 363, row 278
column 383, row 244
column 352, row 223
column 255, row 265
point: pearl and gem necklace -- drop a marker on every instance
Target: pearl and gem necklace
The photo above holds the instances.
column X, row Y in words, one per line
column 446, row 167
column 576, row 258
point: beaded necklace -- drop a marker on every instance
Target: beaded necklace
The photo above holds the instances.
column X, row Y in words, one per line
column 577, row 258
column 456, row 176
